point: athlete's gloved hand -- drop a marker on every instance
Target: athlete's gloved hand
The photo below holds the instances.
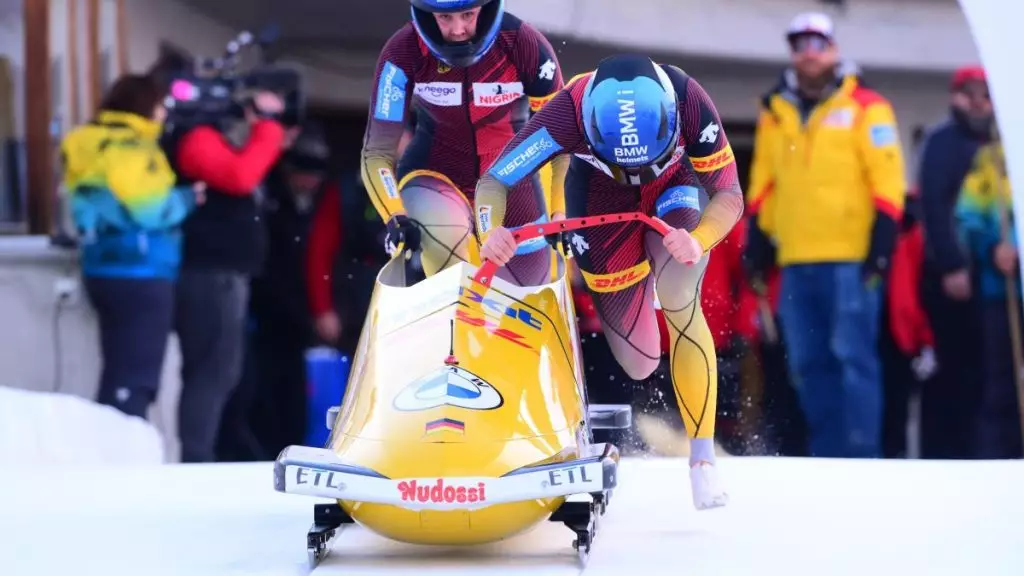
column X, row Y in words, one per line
column 401, row 230
column 558, row 241
column 499, row 247
column 683, row 247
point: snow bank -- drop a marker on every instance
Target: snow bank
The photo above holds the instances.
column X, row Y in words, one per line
column 43, row 428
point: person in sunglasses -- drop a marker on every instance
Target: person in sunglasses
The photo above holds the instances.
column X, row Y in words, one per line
column 827, row 192
column 640, row 137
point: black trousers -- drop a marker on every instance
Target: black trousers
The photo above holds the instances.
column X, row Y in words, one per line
column 135, row 318
column 210, row 321
column 277, row 372
column 999, row 433
column 899, row 381
column 950, row 401
column 784, row 424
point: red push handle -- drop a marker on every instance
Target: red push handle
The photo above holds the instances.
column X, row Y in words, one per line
column 530, row 231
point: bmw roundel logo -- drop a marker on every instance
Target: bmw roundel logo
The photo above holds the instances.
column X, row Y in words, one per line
column 449, row 386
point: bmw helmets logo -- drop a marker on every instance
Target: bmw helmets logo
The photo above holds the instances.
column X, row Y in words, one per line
column 449, row 386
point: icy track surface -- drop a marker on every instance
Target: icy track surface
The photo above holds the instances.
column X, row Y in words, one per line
column 787, row 516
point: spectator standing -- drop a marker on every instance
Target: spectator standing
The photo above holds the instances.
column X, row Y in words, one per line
column 985, row 219
column 905, row 338
column 783, row 426
column 225, row 245
column 275, row 405
column 827, row 187
column 949, row 404
column 342, row 260
column 128, row 213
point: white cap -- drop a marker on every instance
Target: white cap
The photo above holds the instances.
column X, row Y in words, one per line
column 811, row 23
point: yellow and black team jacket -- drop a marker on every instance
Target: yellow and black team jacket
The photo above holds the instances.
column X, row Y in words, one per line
column 827, row 183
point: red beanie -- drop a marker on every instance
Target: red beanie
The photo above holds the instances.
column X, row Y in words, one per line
column 967, row 74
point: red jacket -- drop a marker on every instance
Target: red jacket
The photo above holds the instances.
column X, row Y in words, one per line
column 907, row 319
column 226, row 232
column 204, row 154
column 323, row 247
column 326, row 235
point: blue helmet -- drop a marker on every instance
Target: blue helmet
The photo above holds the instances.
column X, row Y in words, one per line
column 631, row 116
column 457, row 54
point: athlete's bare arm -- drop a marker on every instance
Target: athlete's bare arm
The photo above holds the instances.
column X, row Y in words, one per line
column 551, row 132
column 389, row 108
column 543, row 79
column 712, row 159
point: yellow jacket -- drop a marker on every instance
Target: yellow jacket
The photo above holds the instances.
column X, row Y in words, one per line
column 815, row 187
column 123, row 197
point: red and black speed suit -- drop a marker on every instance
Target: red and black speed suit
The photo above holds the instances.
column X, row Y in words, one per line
column 464, row 117
column 616, row 260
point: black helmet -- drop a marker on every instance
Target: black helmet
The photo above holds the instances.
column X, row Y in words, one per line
column 459, row 54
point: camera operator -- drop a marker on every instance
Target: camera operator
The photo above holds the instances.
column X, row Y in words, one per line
column 225, row 245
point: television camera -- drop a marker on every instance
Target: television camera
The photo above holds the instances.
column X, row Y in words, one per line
column 216, row 91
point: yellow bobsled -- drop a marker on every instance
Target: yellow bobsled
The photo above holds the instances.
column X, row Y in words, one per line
column 465, row 420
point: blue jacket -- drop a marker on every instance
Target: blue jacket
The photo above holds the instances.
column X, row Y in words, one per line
column 944, row 159
column 123, row 199
column 983, row 205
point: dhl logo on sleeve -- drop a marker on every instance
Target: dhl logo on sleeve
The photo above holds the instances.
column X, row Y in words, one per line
column 719, row 159
column 615, row 281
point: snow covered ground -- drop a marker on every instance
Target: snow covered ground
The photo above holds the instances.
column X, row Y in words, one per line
column 47, row 428
column 787, row 516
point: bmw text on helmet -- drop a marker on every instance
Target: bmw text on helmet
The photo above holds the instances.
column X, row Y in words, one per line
column 629, row 150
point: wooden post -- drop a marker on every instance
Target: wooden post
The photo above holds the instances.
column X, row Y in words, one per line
column 123, row 66
column 41, row 194
column 71, row 58
column 93, row 61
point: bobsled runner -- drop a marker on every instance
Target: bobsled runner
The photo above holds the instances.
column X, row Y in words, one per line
column 466, row 419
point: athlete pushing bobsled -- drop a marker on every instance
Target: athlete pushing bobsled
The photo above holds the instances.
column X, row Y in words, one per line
column 642, row 137
column 473, row 74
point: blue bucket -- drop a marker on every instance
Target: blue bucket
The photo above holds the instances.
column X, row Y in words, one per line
column 326, row 379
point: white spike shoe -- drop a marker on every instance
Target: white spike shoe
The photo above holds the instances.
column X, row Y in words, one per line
column 708, row 490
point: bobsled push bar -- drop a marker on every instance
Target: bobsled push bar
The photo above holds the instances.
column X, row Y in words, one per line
column 319, row 472
column 486, row 272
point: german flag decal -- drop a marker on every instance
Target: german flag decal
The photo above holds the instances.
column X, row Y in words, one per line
column 449, row 424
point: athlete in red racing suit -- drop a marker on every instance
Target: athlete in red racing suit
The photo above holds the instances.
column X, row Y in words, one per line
column 473, row 74
column 643, row 137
